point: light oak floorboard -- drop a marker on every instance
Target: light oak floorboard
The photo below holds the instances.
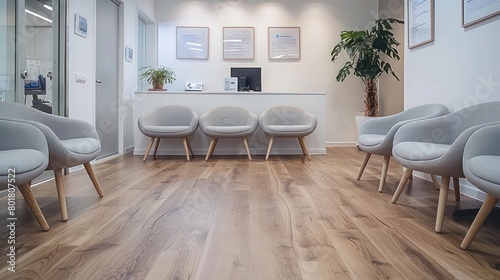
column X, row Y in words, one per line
column 230, row 218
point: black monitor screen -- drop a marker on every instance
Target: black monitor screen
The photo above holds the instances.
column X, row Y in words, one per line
column 249, row 78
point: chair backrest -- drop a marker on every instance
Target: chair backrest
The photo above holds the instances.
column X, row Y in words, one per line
column 423, row 111
column 171, row 115
column 479, row 114
column 228, row 116
column 287, row 115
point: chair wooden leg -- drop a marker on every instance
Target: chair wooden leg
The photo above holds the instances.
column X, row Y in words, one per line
column 402, row 184
column 443, row 196
column 156, row 147
column 35, row 208
column 456, row 188
column 93, row 178
column 149, row 148
column 362, row 169
column 486, row 208
column 245, row 142
column 269, row 147
column 186, row 149
column 61, row 194
column 189, row 147
column 385, row 166
column 435, row 181
column 304, row 147
column 211, row 148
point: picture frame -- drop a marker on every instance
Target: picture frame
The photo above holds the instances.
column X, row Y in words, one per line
column 284, row 43
column 477, row 11
column 420, row 22
column 81, row 25
column 238, row 43
column 192, row 42
column 129, row 54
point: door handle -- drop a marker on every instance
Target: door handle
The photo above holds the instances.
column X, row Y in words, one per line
column 98, row 82
column 24, row 74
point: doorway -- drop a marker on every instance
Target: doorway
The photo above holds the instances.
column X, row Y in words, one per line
column 107, row 75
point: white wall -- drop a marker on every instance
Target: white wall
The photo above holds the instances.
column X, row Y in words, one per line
column 460, row 68
column 81, row 58
column 321, row 23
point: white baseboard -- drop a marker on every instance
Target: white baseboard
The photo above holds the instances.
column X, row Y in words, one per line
column 340, row 144
column 225, row 152
column 129, row 150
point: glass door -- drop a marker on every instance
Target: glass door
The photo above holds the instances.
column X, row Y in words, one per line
column 31, row 56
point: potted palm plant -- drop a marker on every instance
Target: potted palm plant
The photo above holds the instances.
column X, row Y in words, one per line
column 157, row 77
column 364, row 49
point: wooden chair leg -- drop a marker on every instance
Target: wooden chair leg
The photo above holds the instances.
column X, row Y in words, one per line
column 189, row 146
column 156, row 147
column 33, row 205
column 456, row 188
column 402, row 184
column 486, row 208
column 269, row 147
column 245, row 142
column 61, row 194
column 385, row 166
column 304, row 147
column 363, row 166
column 443, row 196
column 186, row 149
column 149, row 148
column 93, row 178
column 211, row 148
column 435, row 181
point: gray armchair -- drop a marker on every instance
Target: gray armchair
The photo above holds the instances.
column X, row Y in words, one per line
column 171, row 121
column 481, row 162
column 376, row 135
column 287, row 121
column 71, row 143
column 228, row 122
column 436, row 146
column 24, row 156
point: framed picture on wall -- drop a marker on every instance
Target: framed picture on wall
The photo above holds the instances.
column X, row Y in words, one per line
column 192, row 42
column 284, row 43
column 238, row 43
column 420, row 22
column 474, row 11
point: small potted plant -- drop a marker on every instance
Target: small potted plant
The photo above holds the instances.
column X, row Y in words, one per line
column 157, row 77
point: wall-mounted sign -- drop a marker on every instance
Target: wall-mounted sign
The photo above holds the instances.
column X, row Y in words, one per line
column 192, row 42
column 284, row 43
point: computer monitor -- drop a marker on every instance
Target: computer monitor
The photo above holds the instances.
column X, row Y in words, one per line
column 249, row 78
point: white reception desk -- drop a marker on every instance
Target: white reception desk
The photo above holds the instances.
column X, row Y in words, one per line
column 257, row 102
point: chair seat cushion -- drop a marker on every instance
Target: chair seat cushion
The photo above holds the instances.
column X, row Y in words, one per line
column 82, row 145
column 23, row 160
column 229, row 129
column 419, row 151
column 486, row 168
column 166, row 129
column 288, row 128
column 371, row 139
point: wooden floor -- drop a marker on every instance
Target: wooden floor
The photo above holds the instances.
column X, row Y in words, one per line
column 229, row 218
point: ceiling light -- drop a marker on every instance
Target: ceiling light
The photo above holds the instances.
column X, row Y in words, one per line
column 37, row 15
column 47, row 7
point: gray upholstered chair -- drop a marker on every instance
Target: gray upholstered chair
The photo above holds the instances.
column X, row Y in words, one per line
column 71, row 143
column 287, row 121
column 376, row 135
column 171, row 121
column 436, row 146
column 228, row 122
column 24, row 155
column 482, row 168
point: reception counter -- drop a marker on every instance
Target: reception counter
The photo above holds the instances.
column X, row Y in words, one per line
column 257, row 102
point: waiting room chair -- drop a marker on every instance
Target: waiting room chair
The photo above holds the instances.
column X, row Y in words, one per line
column 24, row 155
column 71, row 142
column 228, row 122
column 287, row 121
column 481, row 163
column 376, row 135
column 171, row 121
column 436, row 146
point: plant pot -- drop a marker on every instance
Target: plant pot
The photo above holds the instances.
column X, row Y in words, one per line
column 158, row 85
